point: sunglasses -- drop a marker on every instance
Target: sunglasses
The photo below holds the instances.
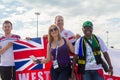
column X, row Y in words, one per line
column 88, row 28
column 54, row 29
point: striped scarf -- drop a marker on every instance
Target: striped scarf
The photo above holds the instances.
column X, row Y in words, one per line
column 82, row 53
column 82, row 42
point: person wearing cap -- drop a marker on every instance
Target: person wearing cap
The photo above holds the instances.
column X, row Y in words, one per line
column 89, row 59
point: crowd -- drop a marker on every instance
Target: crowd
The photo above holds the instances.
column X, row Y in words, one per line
column 86, row 49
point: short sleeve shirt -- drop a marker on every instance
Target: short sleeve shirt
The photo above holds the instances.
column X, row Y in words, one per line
column 7, row 58
column 69, row 35
column 90, row 59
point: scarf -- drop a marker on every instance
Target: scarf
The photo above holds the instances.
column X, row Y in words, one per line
column 82, row 52
column 95, row 44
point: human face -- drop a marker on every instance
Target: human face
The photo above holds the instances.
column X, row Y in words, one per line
column 87, row 31
column 59, row 21
column 7, row 27
column 54, row 31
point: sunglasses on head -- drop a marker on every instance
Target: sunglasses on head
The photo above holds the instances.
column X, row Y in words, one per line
column 54, row 29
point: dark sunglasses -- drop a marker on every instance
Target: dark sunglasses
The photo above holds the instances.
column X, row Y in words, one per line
column 88, row 28
column 54, row 29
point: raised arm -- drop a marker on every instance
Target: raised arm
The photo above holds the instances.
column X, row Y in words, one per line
column 48, row 57
column 71, row 47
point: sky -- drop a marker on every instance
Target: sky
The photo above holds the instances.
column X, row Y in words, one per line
column 114, row 60
column 105, row 15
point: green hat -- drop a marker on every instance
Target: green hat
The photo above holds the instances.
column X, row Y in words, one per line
column 87, row 23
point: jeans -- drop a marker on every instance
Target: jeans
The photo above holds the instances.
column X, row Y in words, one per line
column 62, row 73
column 92, row 75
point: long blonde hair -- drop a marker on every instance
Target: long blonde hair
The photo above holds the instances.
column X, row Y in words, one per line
column 50, row 38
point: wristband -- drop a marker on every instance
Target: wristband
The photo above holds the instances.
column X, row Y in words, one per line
column 110, row 67
column 38, row 61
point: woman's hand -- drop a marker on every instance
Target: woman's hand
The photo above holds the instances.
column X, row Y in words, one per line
column 37, row 61
column 27, row 38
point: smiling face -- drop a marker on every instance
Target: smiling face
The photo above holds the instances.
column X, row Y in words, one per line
column 7, row 27
column 53, row 31
column 59, row 21
column 87, row 30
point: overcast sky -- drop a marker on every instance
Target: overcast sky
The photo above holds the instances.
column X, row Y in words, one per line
column 105, row 15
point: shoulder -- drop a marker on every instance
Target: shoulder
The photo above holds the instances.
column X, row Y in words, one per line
column 101, row 42
column 78, row 40
column 48, row 45
column 67, row 31
column 15, row 36
column 99, row 38
column 65, row 40
column 2, row 37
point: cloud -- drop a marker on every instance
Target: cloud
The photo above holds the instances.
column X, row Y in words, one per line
column 2, row 6
column 101, row 13
column 104, row 14
column 21, row 9
column 7, row 1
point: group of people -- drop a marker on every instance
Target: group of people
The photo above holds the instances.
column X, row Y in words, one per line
column 60, row 43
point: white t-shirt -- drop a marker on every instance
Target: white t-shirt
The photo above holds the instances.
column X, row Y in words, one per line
column 69, row 35
column 90, row 59
column 7, row 58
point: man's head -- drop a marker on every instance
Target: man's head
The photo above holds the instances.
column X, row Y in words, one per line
column 87, row 28
column 59, row 21
column 7, row 27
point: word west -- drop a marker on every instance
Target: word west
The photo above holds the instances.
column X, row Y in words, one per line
column 34, row 76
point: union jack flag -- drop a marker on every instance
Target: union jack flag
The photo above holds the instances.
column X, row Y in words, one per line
column 23, row 49
column 25, row 67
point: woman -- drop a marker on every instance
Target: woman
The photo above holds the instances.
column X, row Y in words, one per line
column 58, row 51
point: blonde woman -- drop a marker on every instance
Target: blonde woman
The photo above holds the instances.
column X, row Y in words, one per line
column 58, row 51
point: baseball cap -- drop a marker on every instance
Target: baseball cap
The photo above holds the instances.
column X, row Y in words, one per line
column 87, row 23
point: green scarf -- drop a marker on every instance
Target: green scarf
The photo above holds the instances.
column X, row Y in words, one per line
column 82, row 52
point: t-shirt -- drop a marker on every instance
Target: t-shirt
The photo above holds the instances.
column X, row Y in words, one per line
column 69, row 35
column 90, row 59
column 7, row 58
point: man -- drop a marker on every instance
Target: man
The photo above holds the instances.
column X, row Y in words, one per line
column 89, row 59
column 59, row 21
column 7, row 66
